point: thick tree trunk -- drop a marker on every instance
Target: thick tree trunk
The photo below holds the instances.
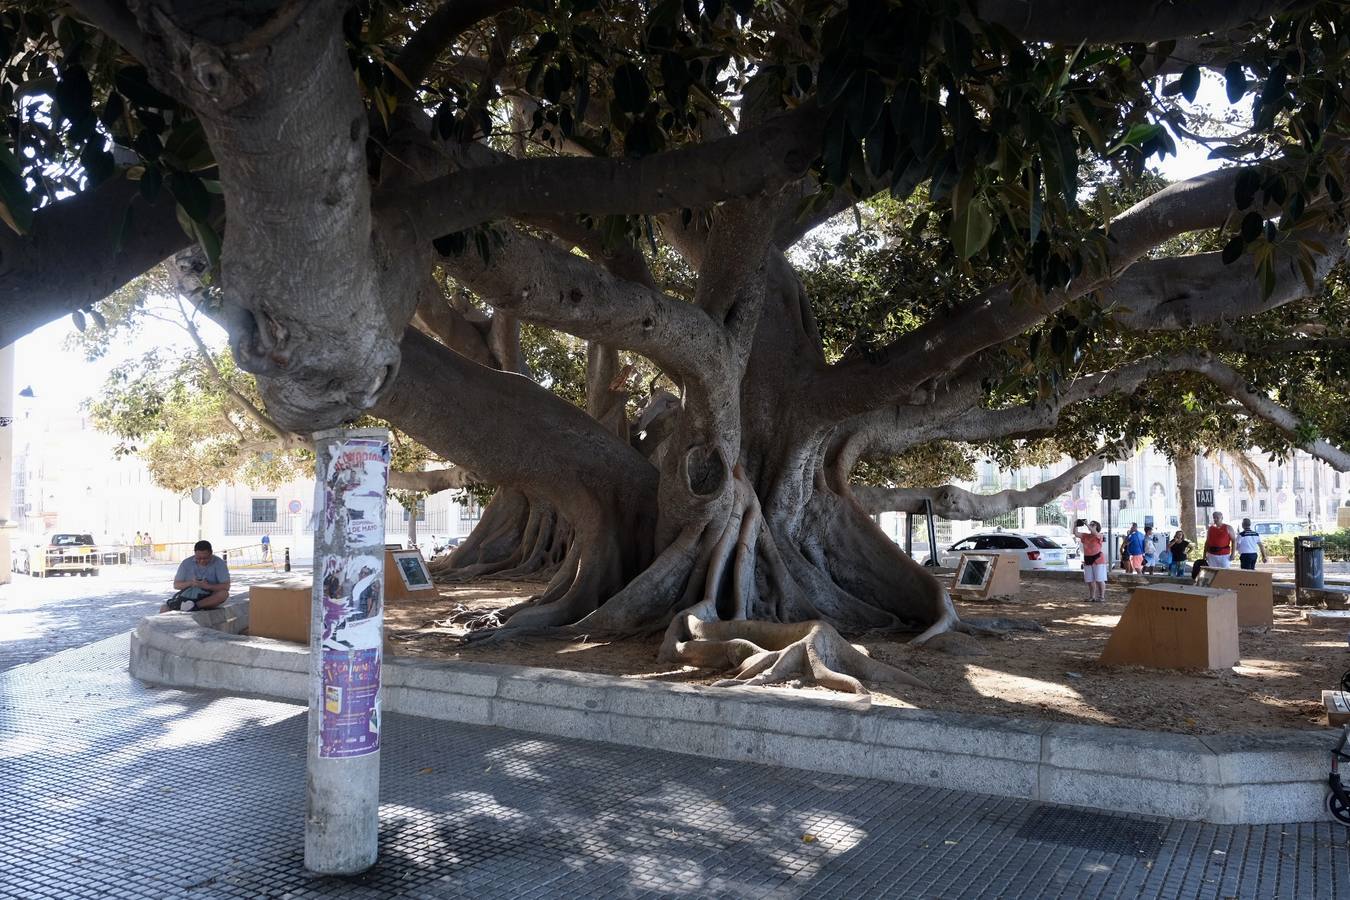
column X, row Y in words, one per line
column 752, row 532
column 1185, row 463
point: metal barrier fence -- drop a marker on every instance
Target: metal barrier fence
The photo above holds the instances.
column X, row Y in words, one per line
column 251, row 556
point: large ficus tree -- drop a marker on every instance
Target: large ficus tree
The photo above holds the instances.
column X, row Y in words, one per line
column 364, row 180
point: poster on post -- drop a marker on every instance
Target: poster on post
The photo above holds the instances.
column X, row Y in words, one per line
column 351, row 703
column 351, row 576
column 355, row 484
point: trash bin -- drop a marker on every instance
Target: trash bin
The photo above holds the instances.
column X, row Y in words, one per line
column 1308, row 561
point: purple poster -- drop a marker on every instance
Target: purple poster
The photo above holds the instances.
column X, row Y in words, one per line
column 351, row 706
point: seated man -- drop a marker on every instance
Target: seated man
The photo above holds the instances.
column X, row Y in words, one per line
column 202, row 581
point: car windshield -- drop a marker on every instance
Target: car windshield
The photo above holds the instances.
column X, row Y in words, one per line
column 72, row 540
column 1045, row 543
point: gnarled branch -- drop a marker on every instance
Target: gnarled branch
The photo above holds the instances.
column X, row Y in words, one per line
column 953, row 502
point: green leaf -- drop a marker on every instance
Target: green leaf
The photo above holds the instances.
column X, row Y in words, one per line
column 11, row 162
column 1252, row 223
column 631, row 91
column 191, row 195
column 971, row 229
column 1139, row 133
column 1232, row 250
column 209, row 241
column 864, row 102
column 1235, row 80
column 187, row 148
column 1246, row 185
column 1190, row 82
column 1037, row 205
column 134, row 83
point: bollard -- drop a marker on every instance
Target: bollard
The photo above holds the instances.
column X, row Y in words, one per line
column 225, row 555
column 346, row 638
column 288, row 559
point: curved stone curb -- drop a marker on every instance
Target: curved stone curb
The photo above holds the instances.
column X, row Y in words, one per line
column 1263, row 778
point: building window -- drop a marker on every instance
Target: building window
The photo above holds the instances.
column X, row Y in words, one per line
column 1263, row 506
column 264, row 509
column 421, row 510
column 1243, row 505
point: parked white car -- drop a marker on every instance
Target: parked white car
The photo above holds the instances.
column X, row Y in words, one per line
column 1033, row 551
column 1062, row 536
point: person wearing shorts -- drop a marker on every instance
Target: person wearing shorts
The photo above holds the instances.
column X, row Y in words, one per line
column 1220, row 543
column 1134, row 547
column 1094, row 559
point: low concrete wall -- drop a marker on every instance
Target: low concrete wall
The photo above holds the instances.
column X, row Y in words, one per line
column 1269, row 777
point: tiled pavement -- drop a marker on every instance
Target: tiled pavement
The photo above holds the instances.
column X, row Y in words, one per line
column 41, row 616
column 110, row 789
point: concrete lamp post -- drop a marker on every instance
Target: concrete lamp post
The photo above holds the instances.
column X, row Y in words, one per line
column 346, row 639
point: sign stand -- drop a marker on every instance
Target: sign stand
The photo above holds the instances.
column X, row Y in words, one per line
column 346, row 637
column 1204, row 498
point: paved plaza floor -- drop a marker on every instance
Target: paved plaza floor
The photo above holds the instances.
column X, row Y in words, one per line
column 111, row 789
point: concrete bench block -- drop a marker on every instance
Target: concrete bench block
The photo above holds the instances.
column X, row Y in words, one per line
column 436, row 676
column 437, row 704
column 1113, row 793
column 1266, row 804
column 556, row 720
column 956, row 771
column 817, row 754
column 553, row 688
column 809, row 720
column 1254, row 778
column 958, row 733
column 1150, row 755
column 1272, row 757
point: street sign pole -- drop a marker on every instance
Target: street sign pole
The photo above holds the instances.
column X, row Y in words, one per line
column 346, row 638
column 200, row 496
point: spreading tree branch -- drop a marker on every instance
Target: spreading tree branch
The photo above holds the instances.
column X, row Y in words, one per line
column 953, row 502
column 79, row 251
column 543, row 283
column 1184, row 291
column 432, row 481
column 857, row 384
column 451, row 19
column 114, row 19
column 1036, row 419
column 758, row 160
column 1139, row 21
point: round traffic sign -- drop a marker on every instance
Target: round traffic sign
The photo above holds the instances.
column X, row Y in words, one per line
column 201, row 496
column 293, row 506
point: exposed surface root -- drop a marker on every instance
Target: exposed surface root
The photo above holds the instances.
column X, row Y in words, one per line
column 773, row 653
column 997, row 625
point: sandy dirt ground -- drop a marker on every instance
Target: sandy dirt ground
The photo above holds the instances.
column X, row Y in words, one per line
column 1052, row 674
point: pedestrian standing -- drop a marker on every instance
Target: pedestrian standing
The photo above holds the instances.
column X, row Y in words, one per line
column 1155, row 544
column 1249, row 545
column 1134, row 547
column 1180, row 547
column 1220, row 543
column 1094, row 560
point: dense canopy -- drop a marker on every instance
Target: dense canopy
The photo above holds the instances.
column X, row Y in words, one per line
column 379, row 194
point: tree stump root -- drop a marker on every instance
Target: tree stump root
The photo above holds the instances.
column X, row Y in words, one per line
column 764, row 653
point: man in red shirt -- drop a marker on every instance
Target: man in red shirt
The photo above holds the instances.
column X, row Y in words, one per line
column 1220, row 543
